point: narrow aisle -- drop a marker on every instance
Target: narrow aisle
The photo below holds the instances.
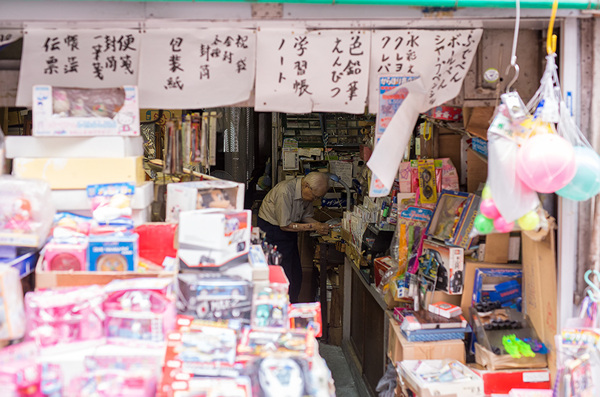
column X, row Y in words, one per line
column 345, row 386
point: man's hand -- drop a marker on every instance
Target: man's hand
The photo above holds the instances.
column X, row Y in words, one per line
column 322, row 228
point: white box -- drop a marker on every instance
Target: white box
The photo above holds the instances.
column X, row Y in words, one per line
column 217, row 194
column 72, row 146
column 213, row 238
column 77, row 200
column 139, row 216
column 415, row 372
column 126, row 121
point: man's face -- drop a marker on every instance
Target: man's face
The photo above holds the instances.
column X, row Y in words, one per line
column 311, row 194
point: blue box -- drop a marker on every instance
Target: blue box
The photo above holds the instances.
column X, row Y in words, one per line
column 25, row 264
column 495, row 276
column 113, row 252
column 480, row 146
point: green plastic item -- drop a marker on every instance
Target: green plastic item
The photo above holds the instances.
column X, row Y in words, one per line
column 524, row 348
column 510, row 346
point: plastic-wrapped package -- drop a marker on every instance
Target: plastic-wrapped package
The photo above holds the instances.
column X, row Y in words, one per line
column 110, row 201
column 66, row 316
column 2, row 152
column 12, row 311
column 26, row 211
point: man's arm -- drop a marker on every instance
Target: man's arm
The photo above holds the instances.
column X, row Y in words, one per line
column 300, row 227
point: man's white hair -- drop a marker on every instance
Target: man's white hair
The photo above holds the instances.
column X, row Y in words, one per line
column 317, row 180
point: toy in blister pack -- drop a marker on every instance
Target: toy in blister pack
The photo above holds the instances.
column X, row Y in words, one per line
column 205, row 350
column 304, row 316
column 65, row 316
column 12, row 312
column 176, row 383
column 269, row 307
column 212, row 296
column 140, row 310
column 282, row 376
column 261, row 343
column 453, row 218
column 427, row 182
column 110, row 201
column 26, row 211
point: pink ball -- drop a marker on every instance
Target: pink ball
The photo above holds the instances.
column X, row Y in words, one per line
column 546, row 163
column 502, row 226
column 488, row 209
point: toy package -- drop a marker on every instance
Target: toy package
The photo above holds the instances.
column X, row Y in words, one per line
column 210, row 296
column 26, row 211
column 113, row 252
column 439, row 378
column 270, row 306
column 12, row 310
column 139, row 310
column 213, row 194
column 111, row 201
column 205, row 350
column 210, row 239
column 281, row 376
column 177, row 383
column 304, row 316
column 113, row 382
column 452, row 221
column 262, row 343
column 21, row 375
column 68, row 317
column 444, row 263
column 85, row 111
column 66, row 254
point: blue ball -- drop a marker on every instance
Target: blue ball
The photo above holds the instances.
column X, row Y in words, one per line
column 586, row 182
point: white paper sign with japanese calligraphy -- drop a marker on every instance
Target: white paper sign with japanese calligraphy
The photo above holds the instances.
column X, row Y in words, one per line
column 441, row 59
column 196, row 68
column 323, row 70
column 86, row 58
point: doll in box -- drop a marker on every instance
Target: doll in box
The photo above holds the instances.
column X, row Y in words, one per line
column 215, row 198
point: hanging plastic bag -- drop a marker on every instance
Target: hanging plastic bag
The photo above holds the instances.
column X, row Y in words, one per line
column 386, row 387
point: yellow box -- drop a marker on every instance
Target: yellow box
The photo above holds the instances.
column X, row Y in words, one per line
column 78, row 173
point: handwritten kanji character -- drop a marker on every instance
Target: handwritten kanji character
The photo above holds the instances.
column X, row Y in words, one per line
column 240, row 42
column 300, row 87
column 175, row 44
column 51, row 65
column 413, row 41
column 72, row 42
column 355, row 49
column 352, row 88
column 337, row 91
column 411, row 55
column 174, row 83
column 204, row 72
column 204, row 51
column 216, row 41
column 127, row 64
column 98, row 70
column 111, row 63
column 125, row 43
column 97, row 50
column 110, row 43
column 353, row 67
column 72, row 65
column 215, row 52
column 228, row 56
column 52, row 44
column 228, row 41
column 300, row 45
column 175, row 63
column 241, row 65
column 301, row 67
column 336, row 48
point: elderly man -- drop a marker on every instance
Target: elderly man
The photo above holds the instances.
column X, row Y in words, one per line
column 286, row 210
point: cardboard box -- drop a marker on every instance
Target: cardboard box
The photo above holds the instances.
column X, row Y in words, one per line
column 77, row 200
column 469, row 385
column 539, row 284
column 449, row 146
column 503, row 381
column 217, row 194
column 73, row 147
column 495, row 248
column 53, row 279
column 78, row 173
column 477, row 120
column 469, row 280
column 451, row 266
column 126, row 120
column 493, row 362
column 399, row 349
column 476, row 170
column 487, row 280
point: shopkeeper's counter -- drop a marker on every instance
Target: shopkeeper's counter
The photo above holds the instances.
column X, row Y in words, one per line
column 366, row 323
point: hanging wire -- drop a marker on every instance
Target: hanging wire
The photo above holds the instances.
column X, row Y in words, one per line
column 513, row 55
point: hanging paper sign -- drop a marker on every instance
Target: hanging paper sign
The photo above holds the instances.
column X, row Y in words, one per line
column 198, row 68
column 441, row 59
column 300, row 71
column 87, row 58
column 8, row 36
